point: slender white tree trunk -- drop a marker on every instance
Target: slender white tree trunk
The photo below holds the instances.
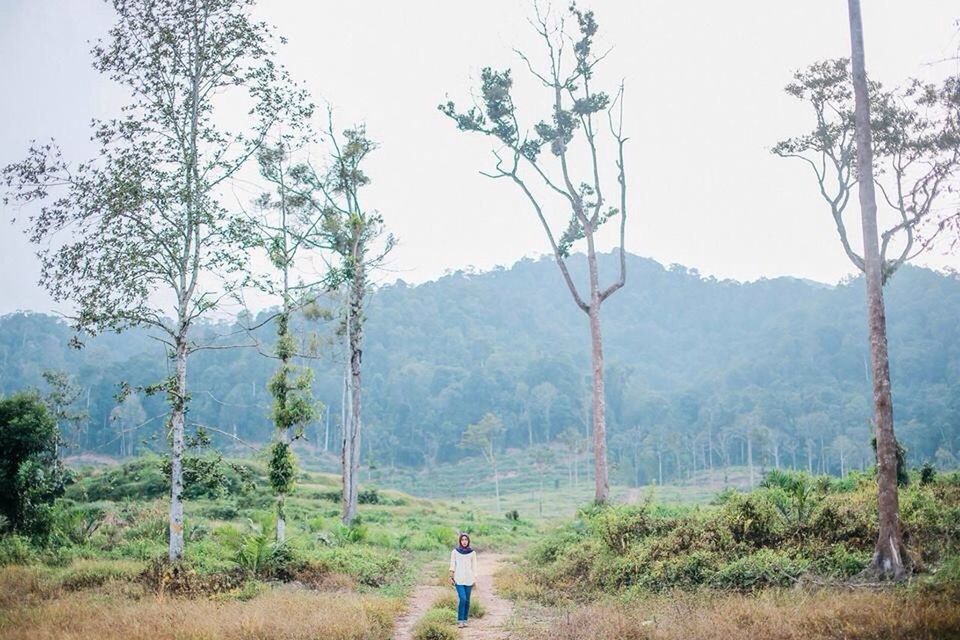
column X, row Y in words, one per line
column 177, row 428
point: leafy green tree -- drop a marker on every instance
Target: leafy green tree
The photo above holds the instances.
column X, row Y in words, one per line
column 31, row 475
column 575, row 105
column 148, row 242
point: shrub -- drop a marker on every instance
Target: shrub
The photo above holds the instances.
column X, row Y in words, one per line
column 15, row 549
column 436, row 624
column 182, row 579
column 370, row 566
column 620, row 527
column 761, row 569
column 260, row 557
column 368, row 496
column 840, row 562
column 752, row 519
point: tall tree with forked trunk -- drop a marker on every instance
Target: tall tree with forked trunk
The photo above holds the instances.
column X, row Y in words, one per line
column 905, row 145
column 137, row 236
column 576, row 107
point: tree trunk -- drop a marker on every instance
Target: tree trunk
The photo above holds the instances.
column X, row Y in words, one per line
column 750, row 457
column 496, row 482
column 889, row 557
column 177, row 418
column 351, row 449
column 601, row 486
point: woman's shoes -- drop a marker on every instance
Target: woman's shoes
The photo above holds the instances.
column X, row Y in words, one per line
column 461, row 624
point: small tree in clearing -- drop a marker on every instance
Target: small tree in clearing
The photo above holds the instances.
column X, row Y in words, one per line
column 481, row 436
column 575, row 105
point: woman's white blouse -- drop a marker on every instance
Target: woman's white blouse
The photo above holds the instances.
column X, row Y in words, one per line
column 464, row 567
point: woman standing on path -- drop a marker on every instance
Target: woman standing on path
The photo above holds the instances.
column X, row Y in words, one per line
column 463, row 575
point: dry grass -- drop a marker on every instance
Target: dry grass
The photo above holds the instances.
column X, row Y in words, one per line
column 773, row 615
column 278, row 615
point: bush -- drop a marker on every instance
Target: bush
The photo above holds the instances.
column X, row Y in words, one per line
column 621, row 527
column 840, row 562
column 259, row 556
column 436, row 624
column 368, row 496
column 752, row 519
column 15, row 549
column 370, row 566
column 764, row 568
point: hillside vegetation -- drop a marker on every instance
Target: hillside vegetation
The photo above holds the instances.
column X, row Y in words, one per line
column 695, row 367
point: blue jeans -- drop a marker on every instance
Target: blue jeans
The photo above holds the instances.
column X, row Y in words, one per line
column 463, row 606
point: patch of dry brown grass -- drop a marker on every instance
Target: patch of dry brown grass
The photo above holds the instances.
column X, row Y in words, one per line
column 275, row 615
column 772, row 615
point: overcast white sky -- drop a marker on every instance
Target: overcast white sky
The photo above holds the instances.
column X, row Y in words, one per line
column 704, row 104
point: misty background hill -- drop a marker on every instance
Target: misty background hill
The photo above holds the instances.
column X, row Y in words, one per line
column 700, row 372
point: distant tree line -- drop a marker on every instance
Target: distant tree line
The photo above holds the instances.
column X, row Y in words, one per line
column 701, row 374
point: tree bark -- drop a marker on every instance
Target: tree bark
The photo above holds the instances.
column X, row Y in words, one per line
column 889, row 557
column 350, row 459
column 177, row 418
column 601, row 486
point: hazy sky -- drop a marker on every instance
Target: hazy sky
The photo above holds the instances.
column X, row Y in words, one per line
column 704, row 103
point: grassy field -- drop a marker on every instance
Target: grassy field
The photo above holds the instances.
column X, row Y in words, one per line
column 100, row 573
column 688, row 561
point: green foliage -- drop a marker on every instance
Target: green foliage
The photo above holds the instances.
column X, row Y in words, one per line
column 261, row 557
column 15, row 549
column 764, row 568
column 31, row 475
column 282, row 466
column 928, row 474
column 771, row 536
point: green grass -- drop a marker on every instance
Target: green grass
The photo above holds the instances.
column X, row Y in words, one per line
column 101, row 521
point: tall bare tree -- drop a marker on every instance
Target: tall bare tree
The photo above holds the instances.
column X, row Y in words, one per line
column 575, row 105
column 141, row 237
column 903, row 144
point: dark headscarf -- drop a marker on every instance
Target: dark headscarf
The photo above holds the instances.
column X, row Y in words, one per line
column 463, row 549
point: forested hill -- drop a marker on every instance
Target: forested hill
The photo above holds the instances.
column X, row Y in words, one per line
column 696, row 367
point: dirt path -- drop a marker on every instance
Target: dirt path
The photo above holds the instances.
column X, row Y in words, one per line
column 489, row 627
